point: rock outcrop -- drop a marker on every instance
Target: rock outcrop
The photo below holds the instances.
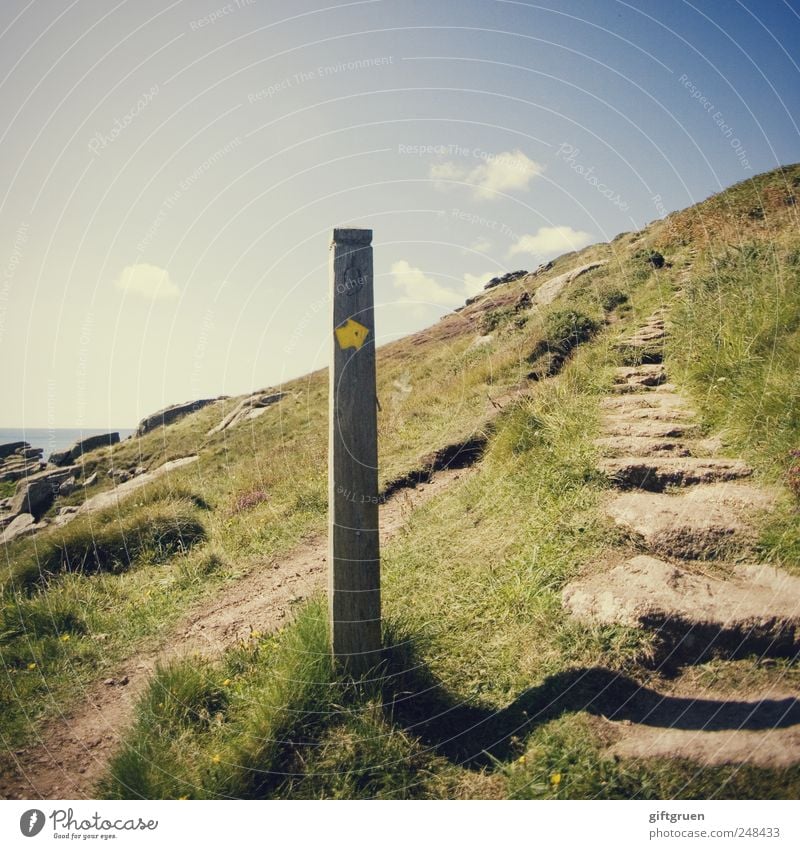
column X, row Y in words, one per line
column 19, row 460
column 550, row 290
column 81, row 447
column 171, row 414
column 249, row 408
column 505, row 278
column 35, row 494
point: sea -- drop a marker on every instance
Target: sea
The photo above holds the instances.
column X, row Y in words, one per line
column 51, row 439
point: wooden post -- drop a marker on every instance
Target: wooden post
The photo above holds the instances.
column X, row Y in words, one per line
column 354, row 554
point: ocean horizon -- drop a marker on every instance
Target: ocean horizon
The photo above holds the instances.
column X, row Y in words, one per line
column 51, row 439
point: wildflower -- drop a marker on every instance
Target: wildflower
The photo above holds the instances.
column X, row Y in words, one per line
column 555, row 779
column 226, row 682
column 65, row 638
column 181, row 798
column 254, row 635
column 215, row 759
column 521, row 759
column 31, row 666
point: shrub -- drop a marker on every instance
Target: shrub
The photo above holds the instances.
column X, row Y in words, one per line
column 110, row 542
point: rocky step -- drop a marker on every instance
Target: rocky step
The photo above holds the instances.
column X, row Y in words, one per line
column 642, row 375
column 659, row 400
column 641, row 446
column 657, row 473
column 704, row 522
column 621, row 425
column 695, row 616
column 636, row 388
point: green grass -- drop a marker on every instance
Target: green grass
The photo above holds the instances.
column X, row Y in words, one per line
column 478, row 640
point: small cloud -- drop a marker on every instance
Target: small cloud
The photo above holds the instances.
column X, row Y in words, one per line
column 474, row 283
column 418, row 287
column 149, row 281
column 481, row 245
column 502, row 172
column 551, row 241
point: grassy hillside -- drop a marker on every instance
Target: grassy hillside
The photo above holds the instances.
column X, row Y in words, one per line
column 480, row 653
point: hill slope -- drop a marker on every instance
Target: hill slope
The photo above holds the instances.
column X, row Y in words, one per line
column 491, row 688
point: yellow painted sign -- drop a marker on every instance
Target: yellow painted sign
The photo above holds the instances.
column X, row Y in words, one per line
column 351, row 334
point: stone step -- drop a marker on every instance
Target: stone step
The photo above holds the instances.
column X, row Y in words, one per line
column 624, row 426
column 704, row 522
column 642, row 446
column 645, row 375
column 695, row 616
column 639, row 388
column 657, row 473
column 659, row 399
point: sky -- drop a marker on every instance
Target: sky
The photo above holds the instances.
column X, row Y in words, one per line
column 171, row 172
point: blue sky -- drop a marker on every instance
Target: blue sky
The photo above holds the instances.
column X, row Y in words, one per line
column 171, row 172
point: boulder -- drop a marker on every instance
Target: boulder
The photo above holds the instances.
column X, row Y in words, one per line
column 66, row 486
column 505, row 278
column 92, row 479
column 8, row 448
column 20, row 526
column 35, row 494
column 249, row 408
column 171, row 414
column 550, row 290
column 82, row 446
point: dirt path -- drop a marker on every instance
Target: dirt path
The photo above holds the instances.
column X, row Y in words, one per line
column 73, row 751
column 691, row 513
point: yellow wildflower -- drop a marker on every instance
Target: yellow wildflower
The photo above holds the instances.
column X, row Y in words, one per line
column 226, row 682
column 216, row 759
column 65, row 638
column 521, row 759
column 31, row 666
column 555, row 779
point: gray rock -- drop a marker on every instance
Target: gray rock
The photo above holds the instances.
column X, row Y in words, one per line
column 249, row 408
column 171, row 414
column 18, row 527
column 92, row 479
column 120, row 475
column 35, row 494
column 505, row 278
column 8, row 448
column 66, row 486
column 82, row 446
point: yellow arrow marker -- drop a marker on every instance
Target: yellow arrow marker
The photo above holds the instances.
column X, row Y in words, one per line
column 351, row 334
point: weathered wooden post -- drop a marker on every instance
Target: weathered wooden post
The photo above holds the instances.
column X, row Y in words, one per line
column 354, row 552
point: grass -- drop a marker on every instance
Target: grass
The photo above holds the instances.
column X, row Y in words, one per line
column 479, row 647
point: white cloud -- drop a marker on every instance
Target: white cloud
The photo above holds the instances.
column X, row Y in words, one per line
column 146, row 280
column 481, row 245
column 502, row 172
column 418, row 287
column 474, row 283
column 551, row 241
